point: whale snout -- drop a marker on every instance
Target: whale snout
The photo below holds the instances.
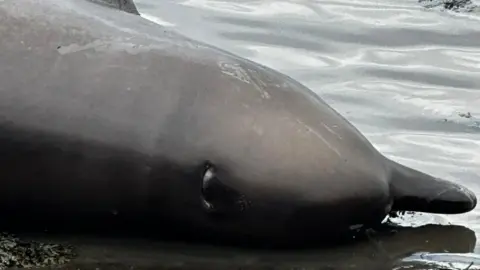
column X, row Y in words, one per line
column 420, row 192
column 455, row 199
column 471, row 200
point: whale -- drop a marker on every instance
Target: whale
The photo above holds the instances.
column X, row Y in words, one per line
column 112, row 123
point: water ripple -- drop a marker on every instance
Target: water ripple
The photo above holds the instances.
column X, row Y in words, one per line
column 253, row 8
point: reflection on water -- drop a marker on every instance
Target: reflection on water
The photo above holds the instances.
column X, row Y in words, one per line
column 406, row 76
column 381, row 250
column 441, row 261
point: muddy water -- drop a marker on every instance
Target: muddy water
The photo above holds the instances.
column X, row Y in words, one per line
column 380, row 251
column 406, row 76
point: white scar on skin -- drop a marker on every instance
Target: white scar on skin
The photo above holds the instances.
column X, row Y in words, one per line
column 309, row 129
column 237, row 72
column 331, row 131
column 103, row 45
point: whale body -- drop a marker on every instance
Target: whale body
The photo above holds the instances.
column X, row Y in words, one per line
column 109, row 121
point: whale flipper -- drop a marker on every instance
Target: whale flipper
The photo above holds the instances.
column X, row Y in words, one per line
column 416, row 191
column 125, row 5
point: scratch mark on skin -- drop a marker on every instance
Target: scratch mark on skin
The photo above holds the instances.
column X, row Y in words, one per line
column 258, row 129
column 436, row 196
column 100, row 45
column 319, row 136
column 237, row 72
column 72, row 48
column 234, row 71
column 332, row 131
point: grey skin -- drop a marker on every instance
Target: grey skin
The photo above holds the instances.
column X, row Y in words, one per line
column 109, row 121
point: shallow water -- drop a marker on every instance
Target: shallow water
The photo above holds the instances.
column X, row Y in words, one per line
column 382, row 250
column 407, row 77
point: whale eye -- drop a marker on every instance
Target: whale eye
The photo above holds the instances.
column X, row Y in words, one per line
column 217, row 198
column 208, row 177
